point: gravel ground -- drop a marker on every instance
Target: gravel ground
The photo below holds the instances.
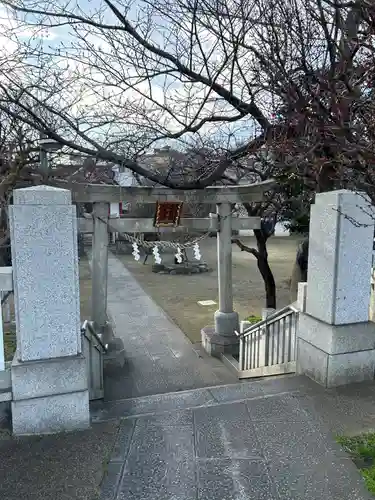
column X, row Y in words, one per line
column 179, row 295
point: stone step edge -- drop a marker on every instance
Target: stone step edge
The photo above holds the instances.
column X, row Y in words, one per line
column 208, row 404
column 208, row 388
column 98, row 407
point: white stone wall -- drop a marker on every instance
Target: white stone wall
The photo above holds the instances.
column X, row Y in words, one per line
column 372, row 297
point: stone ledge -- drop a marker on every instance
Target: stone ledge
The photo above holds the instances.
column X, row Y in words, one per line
column 217, row 345
column 336, row 339
column 333, row 370
column 51, row 414
column 231, row 363
column 32, row 379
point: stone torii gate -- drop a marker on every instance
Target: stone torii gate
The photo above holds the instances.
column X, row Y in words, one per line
column 221, row 337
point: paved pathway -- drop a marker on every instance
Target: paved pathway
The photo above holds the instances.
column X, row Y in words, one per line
column 262, row 440
column 258, row 441
column 159, row 358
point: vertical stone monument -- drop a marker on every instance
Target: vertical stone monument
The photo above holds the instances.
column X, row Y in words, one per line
column 49, row 380
column 336, row 340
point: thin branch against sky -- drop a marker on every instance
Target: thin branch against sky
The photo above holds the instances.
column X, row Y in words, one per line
column 125, row 76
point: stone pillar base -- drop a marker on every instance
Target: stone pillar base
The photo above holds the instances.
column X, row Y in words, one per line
column 216, row 345
column 50, row 395
column 226, row 323
column 335, row 355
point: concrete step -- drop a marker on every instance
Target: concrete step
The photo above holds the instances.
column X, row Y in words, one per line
column 211, row 396
column 207, row 445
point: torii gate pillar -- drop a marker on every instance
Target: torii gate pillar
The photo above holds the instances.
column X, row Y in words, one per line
column 221, row 339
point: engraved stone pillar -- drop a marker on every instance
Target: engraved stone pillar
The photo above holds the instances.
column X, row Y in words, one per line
column 49, row 381
column 336, row 340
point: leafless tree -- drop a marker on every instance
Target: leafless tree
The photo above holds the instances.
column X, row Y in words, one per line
column 20, row 167
column 17, row 160
column 292, row 78
column 134, row 74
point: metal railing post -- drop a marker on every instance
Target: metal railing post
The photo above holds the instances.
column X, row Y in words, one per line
column 267, row 345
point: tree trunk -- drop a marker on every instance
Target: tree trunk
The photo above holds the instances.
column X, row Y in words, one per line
column 265, row 270
column 269, row 282
column 261, row 256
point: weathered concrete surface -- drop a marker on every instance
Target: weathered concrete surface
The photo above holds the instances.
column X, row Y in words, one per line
column 268, row 440
column 263, row 440
column 335, row 340
column 156, row 355
column 68, row 466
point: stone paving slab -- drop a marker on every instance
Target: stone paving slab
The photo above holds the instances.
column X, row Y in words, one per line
column 226, row 394
column 152, row 477
column 225, row 431
column 159, row 403
column 234, row 480
column 189, row 431
column 159, row 358
column 265, row 448
column 348, row 410
column 330, row 479
column 68, row 466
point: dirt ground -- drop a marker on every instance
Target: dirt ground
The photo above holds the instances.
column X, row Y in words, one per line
column 178, row 295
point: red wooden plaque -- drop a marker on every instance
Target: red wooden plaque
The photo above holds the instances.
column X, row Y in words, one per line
column 167, row 213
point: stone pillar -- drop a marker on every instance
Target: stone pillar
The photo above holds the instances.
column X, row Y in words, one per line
column 301, row 296
column 49, row 380
column 100, row 266
column 372, row 298
column 336, row 341
column 222, row 338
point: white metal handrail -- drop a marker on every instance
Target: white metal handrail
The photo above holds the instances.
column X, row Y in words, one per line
column 6, row 290
column 272, row 318
column 268, row 347
column 87, row 325
column 93, row 350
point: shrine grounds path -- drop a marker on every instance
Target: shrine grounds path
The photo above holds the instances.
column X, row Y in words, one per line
column 257, row 440
column 219, row 440
column 178, row 295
